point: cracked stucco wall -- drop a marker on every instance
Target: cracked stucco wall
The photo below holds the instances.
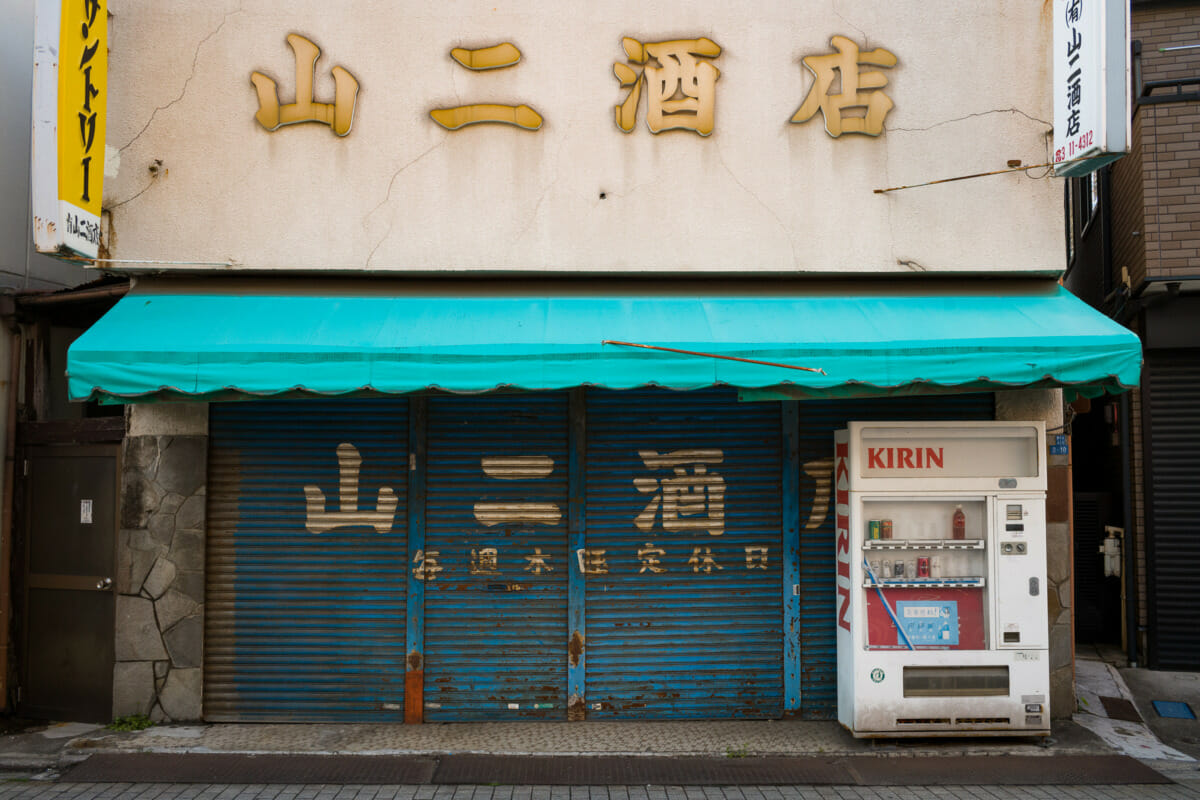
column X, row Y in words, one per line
column 196, row 182
column 160, row 564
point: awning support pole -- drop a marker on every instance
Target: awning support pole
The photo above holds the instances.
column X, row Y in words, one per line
column 712, row 355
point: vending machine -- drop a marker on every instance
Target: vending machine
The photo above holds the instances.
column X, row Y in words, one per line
column 941, row 579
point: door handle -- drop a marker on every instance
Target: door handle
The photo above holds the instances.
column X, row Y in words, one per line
column 104, row 584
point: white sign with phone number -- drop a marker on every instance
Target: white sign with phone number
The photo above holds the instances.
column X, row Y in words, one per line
column 1091, row 84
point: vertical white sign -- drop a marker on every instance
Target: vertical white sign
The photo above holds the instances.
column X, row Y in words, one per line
column 1091, row 84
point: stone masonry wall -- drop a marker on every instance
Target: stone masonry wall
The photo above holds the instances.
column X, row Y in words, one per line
column 1046, row 405
column 160, row 567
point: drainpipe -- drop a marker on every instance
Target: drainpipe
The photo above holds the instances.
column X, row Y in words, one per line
column 43, row 299
column 1129, row 568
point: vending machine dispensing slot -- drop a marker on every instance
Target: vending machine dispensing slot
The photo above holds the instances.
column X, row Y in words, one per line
column 941, row 548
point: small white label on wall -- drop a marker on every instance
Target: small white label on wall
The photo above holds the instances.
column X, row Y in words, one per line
column 85, row 512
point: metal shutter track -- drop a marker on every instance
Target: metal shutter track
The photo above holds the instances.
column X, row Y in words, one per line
column 303, row 626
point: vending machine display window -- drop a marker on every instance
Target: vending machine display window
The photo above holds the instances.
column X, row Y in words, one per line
column 923, row 587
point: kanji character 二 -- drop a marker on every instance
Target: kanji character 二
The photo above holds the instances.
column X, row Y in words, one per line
column 517, row 468
column 859, row 90
column 486, row 58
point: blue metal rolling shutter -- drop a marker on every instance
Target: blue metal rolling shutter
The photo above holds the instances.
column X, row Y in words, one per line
column 300, row 625
column 683, row 643
column 818, row 420
column 495, row 633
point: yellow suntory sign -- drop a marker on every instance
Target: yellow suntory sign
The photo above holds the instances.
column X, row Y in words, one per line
column 82, row 92
column 69, row 98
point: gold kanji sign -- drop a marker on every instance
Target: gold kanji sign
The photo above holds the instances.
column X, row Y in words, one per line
column 677, row 76
column 860, row 90
column 338, row 115
column 487, row 58
column 680, row 85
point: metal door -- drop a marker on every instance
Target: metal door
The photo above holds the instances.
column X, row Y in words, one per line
column 71, row 513
column 307, row 561
column 683, row 559
column 494, row 562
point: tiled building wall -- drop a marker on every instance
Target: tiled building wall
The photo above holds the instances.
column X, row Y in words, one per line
column 1162, row 25
column 1170, row 141
column 1156, row 200
column 1129, row 211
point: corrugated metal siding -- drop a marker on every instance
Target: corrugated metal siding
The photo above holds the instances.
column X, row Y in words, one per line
column 495, row 644
column 683, row 643
column 303, row 625
column 818, row 420
column 1172, row 386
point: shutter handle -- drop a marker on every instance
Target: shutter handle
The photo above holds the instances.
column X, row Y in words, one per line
column 104, row 584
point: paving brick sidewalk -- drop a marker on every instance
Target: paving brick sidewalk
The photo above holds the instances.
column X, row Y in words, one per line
column 714, row 739
column 39, row 790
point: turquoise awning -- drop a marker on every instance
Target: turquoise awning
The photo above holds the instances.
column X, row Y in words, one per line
column 893, row 339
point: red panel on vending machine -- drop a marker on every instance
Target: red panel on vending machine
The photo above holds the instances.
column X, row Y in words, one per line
column 935, row 619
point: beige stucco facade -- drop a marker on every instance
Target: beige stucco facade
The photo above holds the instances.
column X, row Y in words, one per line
column 195, row 182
